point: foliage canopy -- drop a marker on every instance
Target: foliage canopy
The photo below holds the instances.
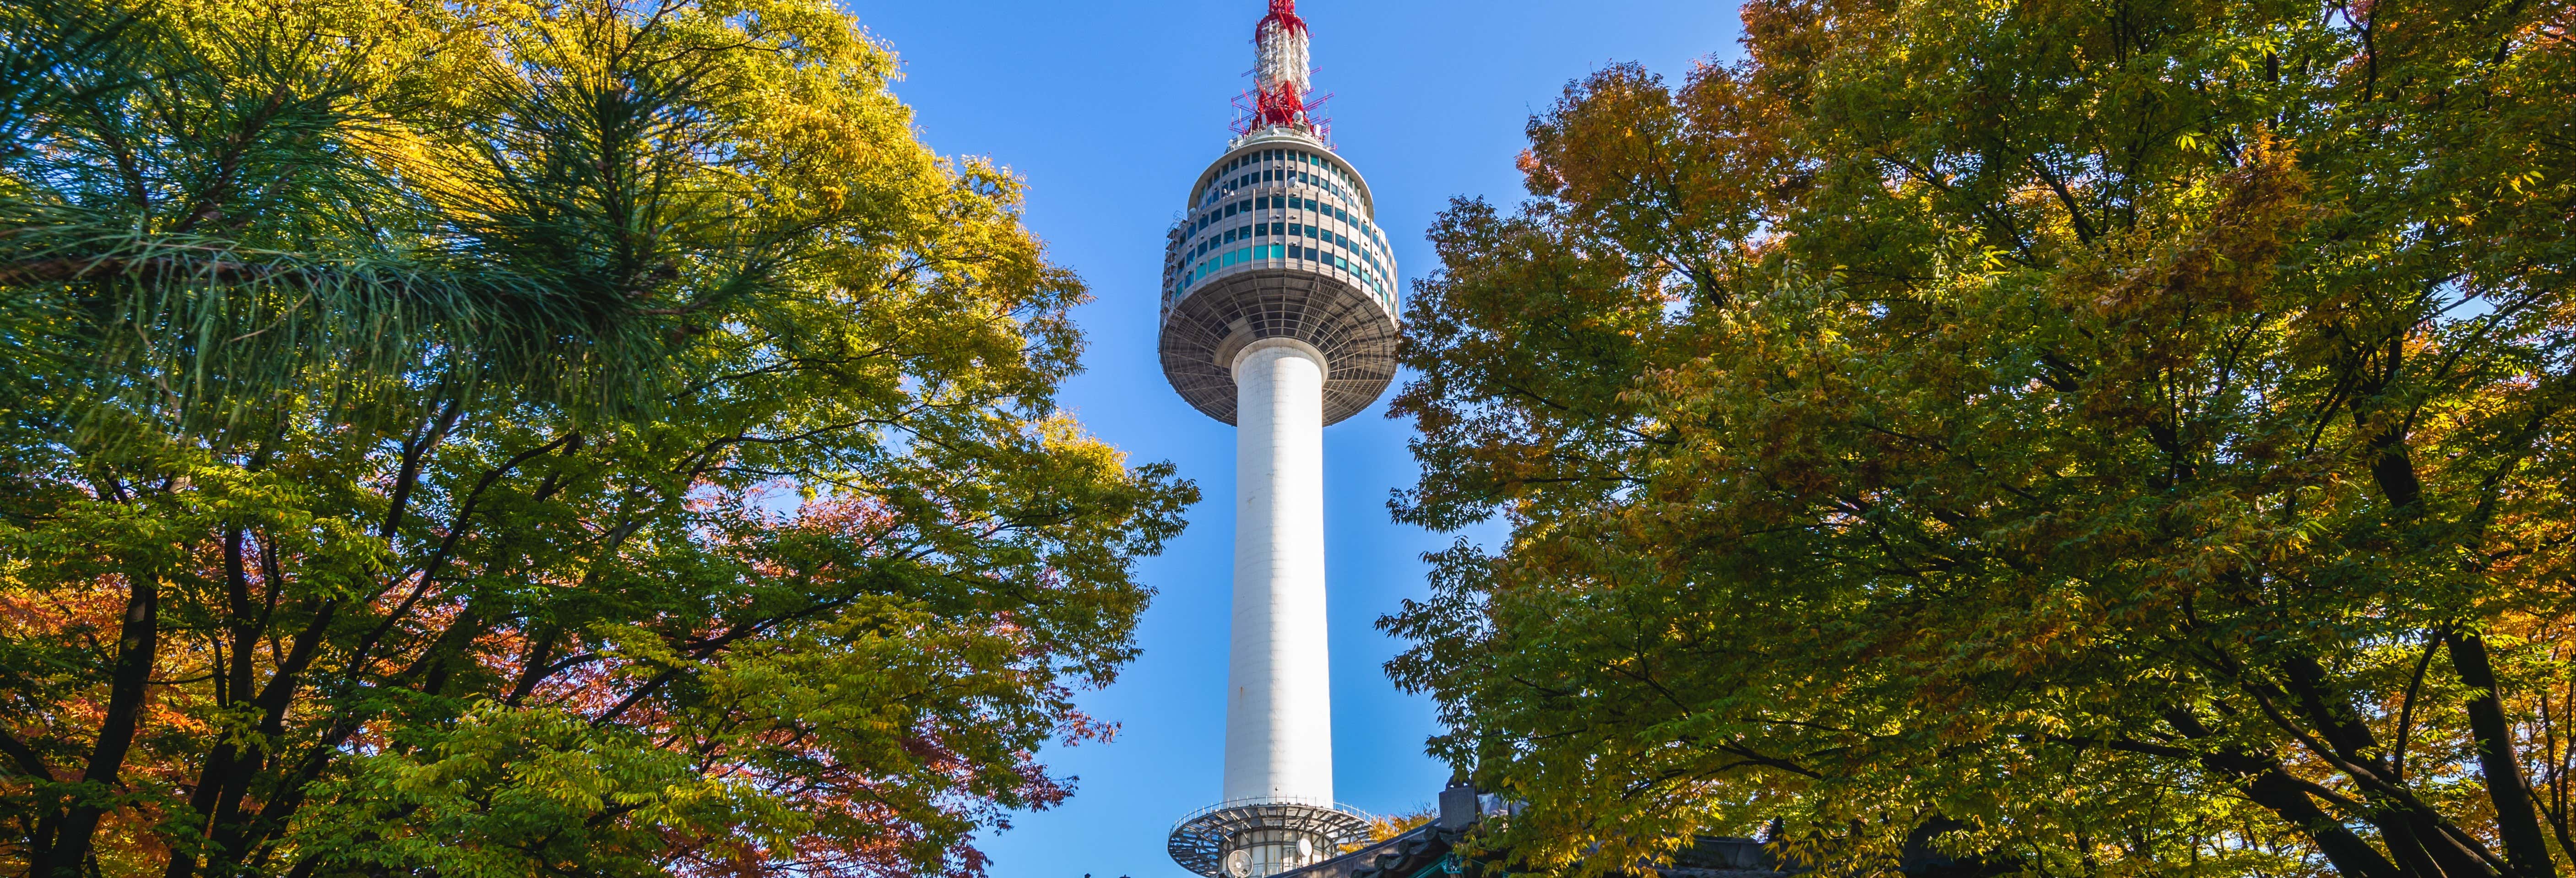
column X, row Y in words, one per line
column 529, row 438
column 2089, row 438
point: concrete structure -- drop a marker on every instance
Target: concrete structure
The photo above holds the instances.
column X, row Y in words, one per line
column 1278, row 316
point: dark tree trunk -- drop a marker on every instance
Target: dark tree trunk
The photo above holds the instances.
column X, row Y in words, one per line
column 137, row 643
column 2517, row 819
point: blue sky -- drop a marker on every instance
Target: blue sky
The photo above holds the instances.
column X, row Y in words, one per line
column 1108, row 110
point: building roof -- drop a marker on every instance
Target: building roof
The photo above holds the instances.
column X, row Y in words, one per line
column 1427, row 851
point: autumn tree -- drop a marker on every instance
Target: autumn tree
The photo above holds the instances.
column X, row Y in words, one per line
column 552, row 438
column 2061, row 437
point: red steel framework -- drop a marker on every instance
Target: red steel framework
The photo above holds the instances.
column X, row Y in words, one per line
column 1280, row 97
column 1248, row 117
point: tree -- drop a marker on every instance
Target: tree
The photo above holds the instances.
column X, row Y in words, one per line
column 519, row 439
column 2079, row 437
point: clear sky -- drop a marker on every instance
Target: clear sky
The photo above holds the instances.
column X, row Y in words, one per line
column 1109, row 110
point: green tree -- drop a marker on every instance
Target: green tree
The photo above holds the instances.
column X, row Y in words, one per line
column 2100, row 438
column 527, row 439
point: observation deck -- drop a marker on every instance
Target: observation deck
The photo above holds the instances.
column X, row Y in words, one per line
column 1280, row 241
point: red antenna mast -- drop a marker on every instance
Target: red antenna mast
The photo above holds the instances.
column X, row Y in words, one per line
column 1279, row 95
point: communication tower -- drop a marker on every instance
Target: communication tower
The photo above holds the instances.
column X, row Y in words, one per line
column 1279, row 317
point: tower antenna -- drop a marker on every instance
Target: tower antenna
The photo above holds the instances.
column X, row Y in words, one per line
column 1282, row 77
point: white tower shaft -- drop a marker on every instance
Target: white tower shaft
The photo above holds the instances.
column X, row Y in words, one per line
column 1278, row 718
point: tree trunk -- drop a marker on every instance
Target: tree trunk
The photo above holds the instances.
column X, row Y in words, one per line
column 2517, row 820
column 136, row 644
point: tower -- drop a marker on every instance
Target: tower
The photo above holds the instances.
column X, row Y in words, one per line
column 1279, row 317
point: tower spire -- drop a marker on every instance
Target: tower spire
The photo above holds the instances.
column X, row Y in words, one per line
column 1282, row 70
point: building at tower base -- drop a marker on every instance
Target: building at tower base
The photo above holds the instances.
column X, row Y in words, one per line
column 1435, row 850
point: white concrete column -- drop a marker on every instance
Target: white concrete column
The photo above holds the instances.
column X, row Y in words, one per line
column 1278, row 713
